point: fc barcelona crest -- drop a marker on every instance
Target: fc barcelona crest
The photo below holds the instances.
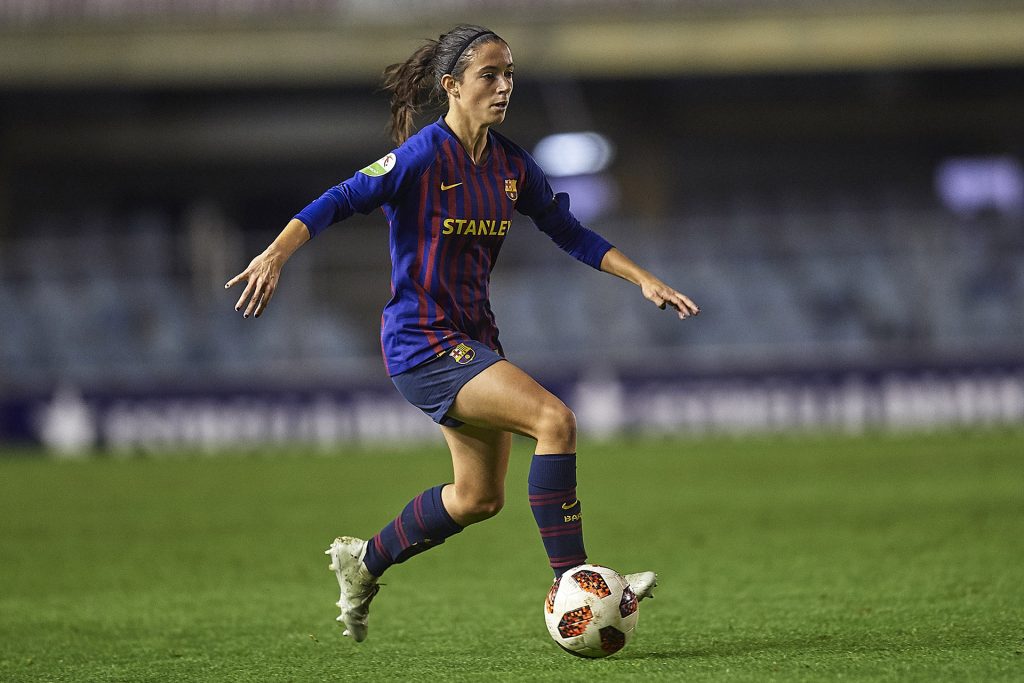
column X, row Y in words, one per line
column 462, row 354
column 511, row 191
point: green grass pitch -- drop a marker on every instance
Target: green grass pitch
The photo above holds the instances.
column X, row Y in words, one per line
column 890, row 558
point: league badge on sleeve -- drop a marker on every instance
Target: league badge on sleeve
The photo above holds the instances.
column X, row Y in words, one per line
column 511, row 191
column 380, row 167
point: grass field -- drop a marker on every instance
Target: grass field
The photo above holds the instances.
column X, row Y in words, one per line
column 788, row 559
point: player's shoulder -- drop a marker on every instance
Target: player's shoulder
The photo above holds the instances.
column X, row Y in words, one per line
column 422, row 146
column 511, row 148
column 411, row 157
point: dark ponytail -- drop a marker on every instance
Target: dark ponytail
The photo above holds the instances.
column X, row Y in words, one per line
column 416, row 82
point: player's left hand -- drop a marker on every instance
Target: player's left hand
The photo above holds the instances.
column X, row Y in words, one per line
column 664, row 297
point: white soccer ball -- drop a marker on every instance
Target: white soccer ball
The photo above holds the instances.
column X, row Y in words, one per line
column 591, row 611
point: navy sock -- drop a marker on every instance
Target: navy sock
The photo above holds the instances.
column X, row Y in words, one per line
column 557, row 509
column 423, row 524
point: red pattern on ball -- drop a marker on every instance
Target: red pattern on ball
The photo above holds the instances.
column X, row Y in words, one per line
column 549, row 603
column 574, row 622
column 592, row 582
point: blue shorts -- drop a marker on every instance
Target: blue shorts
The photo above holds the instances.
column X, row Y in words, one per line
column 433, row 385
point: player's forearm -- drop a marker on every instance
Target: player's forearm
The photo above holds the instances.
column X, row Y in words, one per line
column 618, row 264
column 294, row 235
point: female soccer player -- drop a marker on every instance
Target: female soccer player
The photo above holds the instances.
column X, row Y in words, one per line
column 448, row 192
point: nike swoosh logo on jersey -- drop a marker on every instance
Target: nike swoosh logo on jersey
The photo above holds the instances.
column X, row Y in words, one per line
column 448, row 187
column 569, row 506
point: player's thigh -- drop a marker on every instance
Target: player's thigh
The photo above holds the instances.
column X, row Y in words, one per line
column 479, row 460
column 505, row 398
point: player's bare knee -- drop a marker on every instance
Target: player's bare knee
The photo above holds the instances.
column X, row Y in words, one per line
column 482, row 507
column 558, row 426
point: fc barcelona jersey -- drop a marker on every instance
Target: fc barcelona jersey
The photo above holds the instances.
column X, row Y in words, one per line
column 448, row 218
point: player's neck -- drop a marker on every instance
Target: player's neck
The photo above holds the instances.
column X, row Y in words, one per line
column 473, row 137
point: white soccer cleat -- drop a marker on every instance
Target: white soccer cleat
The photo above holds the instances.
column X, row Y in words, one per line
column 642, row 584
column 358, row 585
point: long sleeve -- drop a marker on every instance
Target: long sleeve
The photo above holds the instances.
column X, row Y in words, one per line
column 568, row 233
column 382, row 181
column 551, row 214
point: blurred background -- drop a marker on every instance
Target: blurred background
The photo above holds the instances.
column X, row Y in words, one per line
column 838, row 184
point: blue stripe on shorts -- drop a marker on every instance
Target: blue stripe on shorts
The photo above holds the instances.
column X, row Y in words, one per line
column 432, row 386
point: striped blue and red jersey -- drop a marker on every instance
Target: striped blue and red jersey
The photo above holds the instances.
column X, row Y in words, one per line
column 448, row 218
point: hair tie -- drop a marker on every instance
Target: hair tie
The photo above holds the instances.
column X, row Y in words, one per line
column 465, row 45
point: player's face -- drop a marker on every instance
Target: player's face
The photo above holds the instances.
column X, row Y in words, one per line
column 486, row 84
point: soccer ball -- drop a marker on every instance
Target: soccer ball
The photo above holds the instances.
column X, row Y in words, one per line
column 591, row 611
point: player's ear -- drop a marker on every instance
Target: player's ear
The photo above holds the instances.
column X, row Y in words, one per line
column 450, row 85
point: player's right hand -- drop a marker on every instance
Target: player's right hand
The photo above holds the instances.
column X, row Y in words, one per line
column 261, row 277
